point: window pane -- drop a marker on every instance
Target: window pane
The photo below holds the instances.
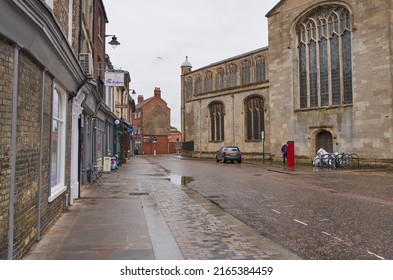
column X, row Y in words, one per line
column 335, row 61
column 55, row 104
column 249, row 125
column 222, row 127
column 347, row 68
column 324, row 79
column 303, row 76
column 313, row 75
column 213, row 129
column 55, row 150
column 218, row 130
column 256, row 125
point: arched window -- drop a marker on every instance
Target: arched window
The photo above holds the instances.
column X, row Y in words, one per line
column 246, row 72
column 255, row 117
column 209, row 81
column 220, row 78
column 325, row 67
column 198, row 85
column 232, row 75
column 261, row 74
column 217, row 114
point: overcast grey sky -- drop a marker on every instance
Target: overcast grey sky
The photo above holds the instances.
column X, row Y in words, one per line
column 157, row 35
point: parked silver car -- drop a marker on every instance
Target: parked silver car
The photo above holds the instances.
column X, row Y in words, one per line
column 229, row 153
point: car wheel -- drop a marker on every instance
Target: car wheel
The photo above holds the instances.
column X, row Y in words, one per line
column 217, row 159
column 239, row 161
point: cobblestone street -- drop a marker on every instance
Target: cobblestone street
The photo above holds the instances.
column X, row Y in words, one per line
column 139, row 213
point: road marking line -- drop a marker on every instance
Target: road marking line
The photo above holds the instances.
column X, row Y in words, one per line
column 300, row 222
column 278, row 212
column 379, row 257
column 326, row 233
column 339, row 239
column 323, row 220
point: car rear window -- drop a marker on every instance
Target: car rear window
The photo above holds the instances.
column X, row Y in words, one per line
column 233, row 149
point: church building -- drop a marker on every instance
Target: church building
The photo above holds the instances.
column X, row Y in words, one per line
column 324, row 81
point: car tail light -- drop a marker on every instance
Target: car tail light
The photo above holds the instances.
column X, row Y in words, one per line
column 225, row 153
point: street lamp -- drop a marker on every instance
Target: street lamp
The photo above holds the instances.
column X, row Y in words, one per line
column 114, row 43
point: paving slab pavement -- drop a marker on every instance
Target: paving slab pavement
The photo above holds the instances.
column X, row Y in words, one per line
column 137, row 213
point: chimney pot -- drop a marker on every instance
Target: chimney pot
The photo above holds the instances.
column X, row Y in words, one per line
column 157, row 92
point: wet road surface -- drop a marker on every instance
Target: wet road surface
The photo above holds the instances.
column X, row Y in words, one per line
column 320, row 214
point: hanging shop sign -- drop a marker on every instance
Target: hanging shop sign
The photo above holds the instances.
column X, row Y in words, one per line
column 114, row 78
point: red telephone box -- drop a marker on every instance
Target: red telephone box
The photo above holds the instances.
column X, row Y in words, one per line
column 291, row 154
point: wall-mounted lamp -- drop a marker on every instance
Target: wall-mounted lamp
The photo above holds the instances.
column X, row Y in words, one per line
column 114, row 43
column 132, row 91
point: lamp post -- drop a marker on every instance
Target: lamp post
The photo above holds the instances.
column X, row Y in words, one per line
column 114, row 43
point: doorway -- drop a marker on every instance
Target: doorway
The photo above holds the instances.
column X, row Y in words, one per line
column 324, row 139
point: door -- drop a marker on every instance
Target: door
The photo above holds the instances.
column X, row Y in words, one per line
column 324, row 139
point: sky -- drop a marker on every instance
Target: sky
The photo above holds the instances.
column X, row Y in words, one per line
column 156, row 36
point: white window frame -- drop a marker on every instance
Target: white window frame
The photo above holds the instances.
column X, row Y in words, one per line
column 60, row 187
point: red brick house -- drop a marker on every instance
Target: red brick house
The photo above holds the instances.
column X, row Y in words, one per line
column 151, row 121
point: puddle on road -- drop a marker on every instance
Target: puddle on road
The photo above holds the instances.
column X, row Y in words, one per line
column 179, row 180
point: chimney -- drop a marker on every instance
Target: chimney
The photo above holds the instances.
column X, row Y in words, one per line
column 140, row 98
column 157, row 92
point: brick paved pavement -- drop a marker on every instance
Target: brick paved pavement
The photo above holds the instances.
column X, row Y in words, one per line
column 138, row 213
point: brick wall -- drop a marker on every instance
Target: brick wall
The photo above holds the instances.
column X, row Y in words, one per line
column 60, row 9
column 27, row 152
column 6, row 69
column 155, row 121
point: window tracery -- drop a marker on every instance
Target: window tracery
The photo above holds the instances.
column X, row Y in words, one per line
column 217, row 117
column 324, row 48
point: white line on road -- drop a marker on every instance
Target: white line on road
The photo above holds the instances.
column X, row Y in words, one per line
column 300, row 222
column 278, row 212
column 326, row 233
column 379, row 257
column 339, row 239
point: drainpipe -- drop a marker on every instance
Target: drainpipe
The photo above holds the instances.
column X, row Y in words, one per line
column 11, row 210
column 40, row 157
column 233, row 120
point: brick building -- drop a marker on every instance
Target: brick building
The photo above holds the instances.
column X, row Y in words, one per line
column 151, row 125
column 325, row 80
column 56, row 116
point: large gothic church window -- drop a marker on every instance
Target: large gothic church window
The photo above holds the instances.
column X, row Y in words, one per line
column 217, row 113
column 325, row 67
column 255, row 117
